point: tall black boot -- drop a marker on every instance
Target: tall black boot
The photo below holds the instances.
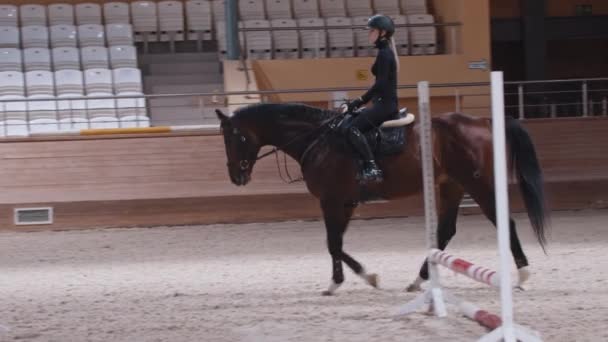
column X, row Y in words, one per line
column 371, row 171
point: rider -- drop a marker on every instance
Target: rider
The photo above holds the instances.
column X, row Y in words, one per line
column 383, row 94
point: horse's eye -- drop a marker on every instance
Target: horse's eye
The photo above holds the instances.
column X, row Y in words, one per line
column 243, row 138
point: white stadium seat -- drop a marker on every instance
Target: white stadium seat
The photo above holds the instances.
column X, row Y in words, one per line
column 34, row 36
column 66, row 58
column 251, row 10
column 115, row 12
column 303, row 9
column 71, row 113
column 341, row 41
column 13, row 114
column 332, row 8
column 10, row 37
column 37, row 59
column 9, row 15
column 285, row 43
column 119, row 34
column 364, row 48
column 387, row 7
column 94, row 57
column 402, row 40
column 278, row 9
column 10, row 59
column 199, row 19
column 258, row 43
column 123, row 56
column 145, row 20
column 414, row 7
column 423, row 39
column 359, row 8
column 313, row 42
column 171, row 20
column 61, row 14
column 101, row 112
column 88, row 14
column 131, row 111
column 64, row 36
column 91, row 35
column 32, row 15
column 42, row 115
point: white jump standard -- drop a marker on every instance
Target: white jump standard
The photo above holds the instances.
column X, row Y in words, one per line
column 502, row 329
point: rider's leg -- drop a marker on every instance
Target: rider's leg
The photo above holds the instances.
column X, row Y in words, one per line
column 367, row 119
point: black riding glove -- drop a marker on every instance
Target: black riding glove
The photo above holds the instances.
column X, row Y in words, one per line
column 355, row 104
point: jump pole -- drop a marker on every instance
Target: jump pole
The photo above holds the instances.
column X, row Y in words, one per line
column 505, row 329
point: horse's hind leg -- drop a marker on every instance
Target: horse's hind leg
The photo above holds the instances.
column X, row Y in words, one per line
column 484, row 196
column 337, row 215
column 450, row 195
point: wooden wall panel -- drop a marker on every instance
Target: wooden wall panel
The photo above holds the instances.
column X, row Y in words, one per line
column 158, row 180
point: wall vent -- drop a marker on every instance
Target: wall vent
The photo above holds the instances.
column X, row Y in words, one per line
column 30, row 216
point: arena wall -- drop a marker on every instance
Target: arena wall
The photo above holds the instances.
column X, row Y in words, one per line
column 182, row 179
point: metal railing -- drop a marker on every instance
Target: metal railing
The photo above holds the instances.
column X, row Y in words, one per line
column 557, row 98
column 590, row 99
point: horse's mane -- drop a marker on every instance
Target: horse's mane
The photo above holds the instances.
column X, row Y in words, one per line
column 271, row 112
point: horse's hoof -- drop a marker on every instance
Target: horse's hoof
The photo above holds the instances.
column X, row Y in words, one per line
column 524, row 275
column 519, row 288
column 327, row 293
column 372, row 279
column 413, row 288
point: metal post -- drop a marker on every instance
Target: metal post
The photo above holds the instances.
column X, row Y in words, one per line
column 520, row 100
column 232, row 29
column 453, row 48
column 5, row 124
column 458, row 104
column 605, row 106
column 317, row 43
column 553, row 107
column 502, row 204
column 585, row 99
column 430, row 211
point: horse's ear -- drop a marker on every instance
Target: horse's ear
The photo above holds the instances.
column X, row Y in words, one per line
column 220, row 115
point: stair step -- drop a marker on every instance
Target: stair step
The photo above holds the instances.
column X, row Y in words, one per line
column 185, row 68
column 186, row 101
column 193, row 78
column 186, row 88
column 182, row 57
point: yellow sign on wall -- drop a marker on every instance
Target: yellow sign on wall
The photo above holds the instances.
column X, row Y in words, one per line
column 362, row 75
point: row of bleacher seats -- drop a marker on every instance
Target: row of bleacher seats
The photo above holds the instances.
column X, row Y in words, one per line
column 51, row 111
column 171, row 19
column 330, row 42
column 61, row 58
column 66, row 36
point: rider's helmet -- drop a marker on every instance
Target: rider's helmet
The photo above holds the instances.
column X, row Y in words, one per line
column 382, row 22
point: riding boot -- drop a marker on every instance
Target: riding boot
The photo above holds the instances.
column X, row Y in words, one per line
column 371, row 171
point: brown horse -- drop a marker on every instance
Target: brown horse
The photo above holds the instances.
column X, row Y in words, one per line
column 462, row 151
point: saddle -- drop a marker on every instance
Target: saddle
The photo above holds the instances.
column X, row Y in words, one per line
column 390, row 137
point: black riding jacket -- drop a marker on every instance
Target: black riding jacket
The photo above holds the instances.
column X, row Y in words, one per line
column 384, row 69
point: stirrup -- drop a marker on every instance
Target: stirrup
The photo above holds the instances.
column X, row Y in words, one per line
column 371, row 173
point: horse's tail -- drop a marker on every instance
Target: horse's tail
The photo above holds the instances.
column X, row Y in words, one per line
column 529, row 175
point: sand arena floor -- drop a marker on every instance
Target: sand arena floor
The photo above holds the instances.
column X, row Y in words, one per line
column 262, row 282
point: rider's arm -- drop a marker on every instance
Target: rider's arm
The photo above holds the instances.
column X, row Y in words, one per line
column 381, row 82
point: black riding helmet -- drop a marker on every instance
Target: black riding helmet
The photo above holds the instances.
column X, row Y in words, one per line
column 382, row 22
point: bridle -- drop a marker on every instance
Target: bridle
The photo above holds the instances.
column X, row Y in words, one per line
column 245, row 162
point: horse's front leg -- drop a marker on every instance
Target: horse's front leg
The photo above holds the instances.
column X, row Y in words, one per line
column 337, row 215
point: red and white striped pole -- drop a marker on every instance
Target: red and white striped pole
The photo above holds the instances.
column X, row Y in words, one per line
column 475, row 272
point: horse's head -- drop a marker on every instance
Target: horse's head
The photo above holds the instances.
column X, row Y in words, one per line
column 242, row 148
